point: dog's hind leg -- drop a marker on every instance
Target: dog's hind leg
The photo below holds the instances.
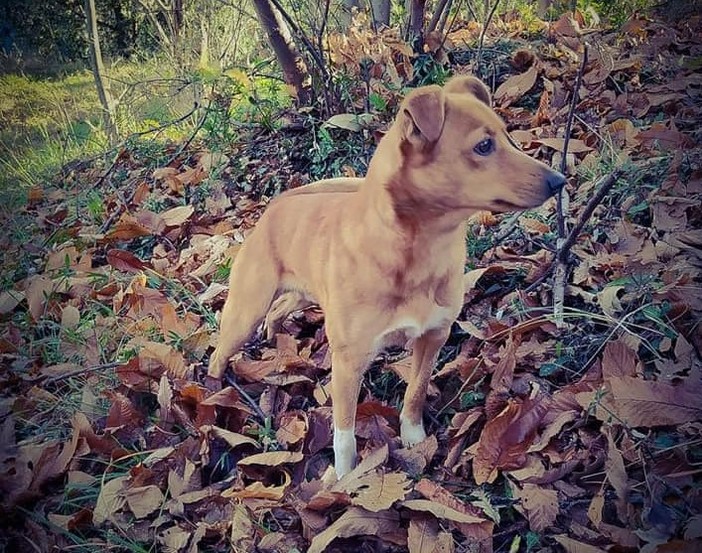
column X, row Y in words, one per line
column 425, row 351
column 285, row 304
column 252, row 286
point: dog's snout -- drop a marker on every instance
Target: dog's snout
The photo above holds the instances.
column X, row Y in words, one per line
column 555, row 181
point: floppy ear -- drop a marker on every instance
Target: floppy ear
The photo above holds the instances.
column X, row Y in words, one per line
column 422, row 116
column 470, row 85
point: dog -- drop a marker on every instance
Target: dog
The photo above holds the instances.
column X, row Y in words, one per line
column 384, row 255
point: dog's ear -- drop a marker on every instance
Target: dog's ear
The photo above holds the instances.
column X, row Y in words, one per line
column 466, row 84
column 422, row 115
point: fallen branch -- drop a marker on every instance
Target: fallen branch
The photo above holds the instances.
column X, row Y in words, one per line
column 231, row 380
column 81, row 372
column 560, row 271
column 562, row 254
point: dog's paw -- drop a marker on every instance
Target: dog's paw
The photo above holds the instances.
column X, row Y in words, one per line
column 344, row 451
column 411, row 434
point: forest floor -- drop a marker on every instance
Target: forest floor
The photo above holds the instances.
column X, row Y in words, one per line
column 583, row 436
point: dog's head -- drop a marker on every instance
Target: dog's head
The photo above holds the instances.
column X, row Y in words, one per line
column 457, row 155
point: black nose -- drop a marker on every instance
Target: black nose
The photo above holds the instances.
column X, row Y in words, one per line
column 555, row 181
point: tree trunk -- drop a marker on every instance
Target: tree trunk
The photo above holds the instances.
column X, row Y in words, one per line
column 380, row 10
column 294, row 69
column 416, row 26
column 103, row 89
column 441, row 7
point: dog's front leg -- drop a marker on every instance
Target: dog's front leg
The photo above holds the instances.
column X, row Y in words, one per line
column 425, row 351
column 348, row 367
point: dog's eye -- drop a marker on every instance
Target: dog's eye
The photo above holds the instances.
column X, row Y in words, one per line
column 485, row 147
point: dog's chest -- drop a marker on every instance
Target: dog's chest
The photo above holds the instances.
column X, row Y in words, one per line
column 409, row 324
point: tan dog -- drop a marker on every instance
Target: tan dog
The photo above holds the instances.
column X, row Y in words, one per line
column 385, row 254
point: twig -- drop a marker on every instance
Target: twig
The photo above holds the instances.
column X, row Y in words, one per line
column 560, row 272
column 453, row 20
column 234, row 384
column 82, row 371
column 482, row 36
column 604, row 187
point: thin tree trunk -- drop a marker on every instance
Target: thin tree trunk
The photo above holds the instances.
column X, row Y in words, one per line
column 441, row 7
column 416, row 26
column 103, row 88
column 294, row 69
column 381, row 13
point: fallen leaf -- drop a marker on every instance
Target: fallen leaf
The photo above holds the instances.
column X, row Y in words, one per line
column 178, row 215
column 515, row 87
column 574, row 546
column 123, row 260
column 616, row 474
column 110, row 500
column 423, row 534
column 359, row 522
column 643, row 403
column 539, row 504
column 258, row 490
column 272, row 458
column 506, row 438
column 378, row 491
column 440, row 511
column 143, row 501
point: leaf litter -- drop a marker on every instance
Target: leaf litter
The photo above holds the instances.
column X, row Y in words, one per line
column 583, row 440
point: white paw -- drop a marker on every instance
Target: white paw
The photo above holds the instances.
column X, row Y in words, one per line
column 411, row 434
column 344, row 451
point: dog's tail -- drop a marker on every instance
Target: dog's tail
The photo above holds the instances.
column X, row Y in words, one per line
column 253, row 284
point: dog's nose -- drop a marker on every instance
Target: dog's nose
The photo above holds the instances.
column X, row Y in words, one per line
column 555, row 181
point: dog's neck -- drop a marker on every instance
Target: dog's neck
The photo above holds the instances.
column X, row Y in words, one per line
column 387, row 194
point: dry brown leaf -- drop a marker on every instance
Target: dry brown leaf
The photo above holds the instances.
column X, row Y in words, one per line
column 358, row 522
column 110, row 500
column 70, row 317
column 174, row 539
column 166, row 356
column 143, row 501
column 243, row 530
column 423, row 534
column 123, row 260
column 440, row 511
column 540, row 505
column 506, row 438
column 618, row 359
column 9, row 299
column 127, row 228
column 574, row 546
column 233, row 439
column 178, row 215
column 378, row 491
column 616, row 474
column 416, row 458
column 273, row 458
column 515, row 87
column 594, row 511
column 38, row 291
column 292, row 428
column 122, row 412
column 637, row 402
column 258, row 490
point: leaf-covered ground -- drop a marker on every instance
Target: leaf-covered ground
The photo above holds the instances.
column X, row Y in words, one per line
column 585, row 438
